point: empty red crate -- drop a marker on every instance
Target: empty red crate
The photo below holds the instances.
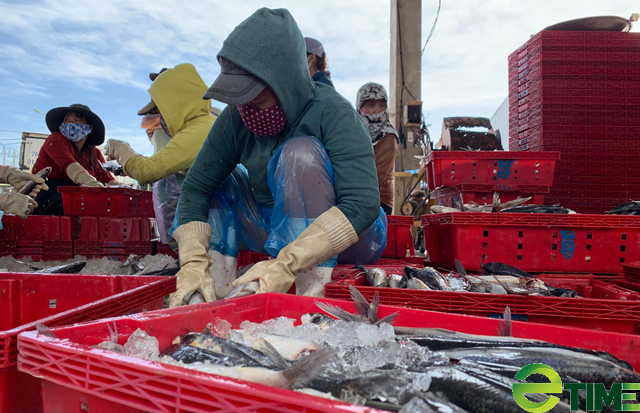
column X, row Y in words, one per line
column 449, row 168
column 399, row 237
column 570, row 243
column 603, row 306
column 57, row 300
column 74, row 372
column 456, row 196
column 106, row 202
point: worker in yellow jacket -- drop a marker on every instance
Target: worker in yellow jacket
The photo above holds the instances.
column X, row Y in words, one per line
column 185, row 118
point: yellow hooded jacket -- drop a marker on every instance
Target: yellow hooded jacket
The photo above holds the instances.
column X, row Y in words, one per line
column 178, row 94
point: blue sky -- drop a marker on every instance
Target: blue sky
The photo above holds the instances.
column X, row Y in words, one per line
column 54, row 53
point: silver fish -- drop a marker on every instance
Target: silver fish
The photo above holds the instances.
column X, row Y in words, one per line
column 397, row 281
column 416, row 284
column 439, row 209
column 244, row 289
column 375, row 276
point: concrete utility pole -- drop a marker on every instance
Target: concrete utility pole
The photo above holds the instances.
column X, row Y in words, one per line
column 404, row 85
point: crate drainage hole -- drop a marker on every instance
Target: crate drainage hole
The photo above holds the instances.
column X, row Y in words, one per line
column 484, row 257
column 587, row 259
column 554, row 247
column 84, row 407
column 621, row 259
column 485, row 234
column 623, row 236
column 52, row 303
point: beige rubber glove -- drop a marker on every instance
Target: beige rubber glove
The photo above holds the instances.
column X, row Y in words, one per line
column 193, row 241
column 17, row 204
column 328, row 235
column 121, row 151
column 17, row 179
column 80, row 176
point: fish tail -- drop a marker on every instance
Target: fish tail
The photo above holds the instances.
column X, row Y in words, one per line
column 390, row 319
column 362, row 305
column 272, row 354
column 505, row 326
column 44, row 330
column 307, row 369
column 460, row 268
column 373, row 308
column 338, row 312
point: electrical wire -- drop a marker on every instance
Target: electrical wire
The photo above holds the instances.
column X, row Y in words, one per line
column 432, row 27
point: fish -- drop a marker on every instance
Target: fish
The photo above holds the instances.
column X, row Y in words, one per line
column 538, row 209
column 416, row 284
column 439, row 209
column 190, row 354
column 244, row 290
column 375, row 276
column 511, row 204
column 289, row 348
column 72, row 268
column 626, row 208
column 323, row 321
column 113, row 167
column 225, row 347
column 397, row 281
column 498, row 268
column 478, row 391
column 458, row 283
column 562, row 292
column 295, row 376
column 581, row 366
column 367, row 312
column 429, row 276
column 27, row 188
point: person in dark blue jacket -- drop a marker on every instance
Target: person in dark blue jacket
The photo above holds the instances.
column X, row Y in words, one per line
column 317, row 61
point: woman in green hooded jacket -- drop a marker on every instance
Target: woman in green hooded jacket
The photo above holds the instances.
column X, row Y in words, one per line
column 288, row 169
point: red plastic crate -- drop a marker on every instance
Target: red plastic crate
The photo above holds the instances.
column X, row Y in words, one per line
column 603, row 306
column 106, row 202
column 57, row 300
column 456, row 196
column 631, row 271
column 450, row 168
column 114, row 236
column 569, row 243
column 399, row 237
column 74, row 371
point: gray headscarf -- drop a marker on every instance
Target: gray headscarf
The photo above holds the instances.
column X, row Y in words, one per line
column 378, row 123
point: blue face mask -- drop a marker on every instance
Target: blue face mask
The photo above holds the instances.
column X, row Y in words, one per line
column 75, row 132
column 164, row 126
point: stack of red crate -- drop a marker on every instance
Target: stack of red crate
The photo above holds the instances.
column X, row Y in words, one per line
column 111, row 222
column 115, row 238
column 43, row 238
column 579, row 93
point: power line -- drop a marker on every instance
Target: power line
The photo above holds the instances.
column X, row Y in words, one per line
column 432, row 27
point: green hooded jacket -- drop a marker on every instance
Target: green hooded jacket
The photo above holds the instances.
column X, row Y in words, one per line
column 178, row 94
column 269, row 44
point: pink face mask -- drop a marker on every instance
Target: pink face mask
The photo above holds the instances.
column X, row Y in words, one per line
column 265, row 122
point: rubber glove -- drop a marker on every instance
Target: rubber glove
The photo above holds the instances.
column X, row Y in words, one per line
column 328, row 235
column 121, row 151
column 80, row 176
column 17, row 204
column 193, row 241
column 17, row 179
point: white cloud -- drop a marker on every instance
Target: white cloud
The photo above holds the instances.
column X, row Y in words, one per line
column 105, row 44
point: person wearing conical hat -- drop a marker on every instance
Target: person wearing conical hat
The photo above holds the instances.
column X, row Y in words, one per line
column 71, row 153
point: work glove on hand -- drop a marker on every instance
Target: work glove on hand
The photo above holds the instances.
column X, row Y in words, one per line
column 17, row 179
column 193, row 241
column 17, row 204
column 121, row 151
column 81, row 177
column 328, row 235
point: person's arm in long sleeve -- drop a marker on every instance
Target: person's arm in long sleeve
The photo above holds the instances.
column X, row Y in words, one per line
column 177, row 155
column 215, row 161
